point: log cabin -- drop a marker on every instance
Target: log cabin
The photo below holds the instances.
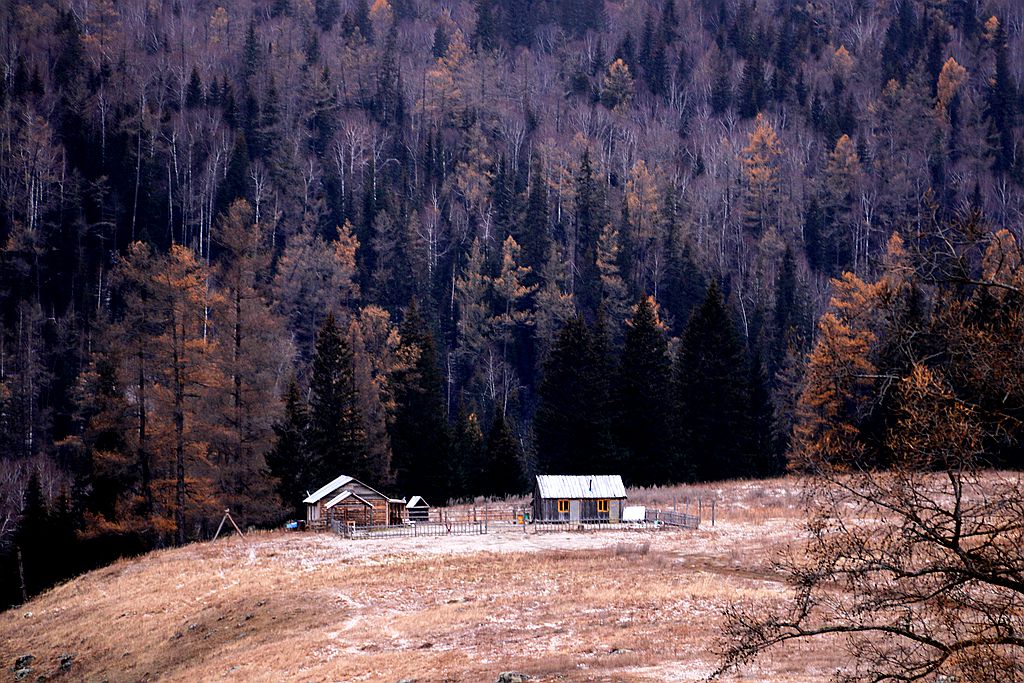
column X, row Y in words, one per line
column 582, row 498
column 350, row 501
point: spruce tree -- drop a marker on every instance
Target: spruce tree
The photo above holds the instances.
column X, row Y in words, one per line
column 536, row 235
column 327, row 13
column 236, row 180
column 467, row 456
column 590, row 217
column 712, row 396
column 644, row 416
column 31, row 539
column 289, row 461
column 194, row 92
column 767, row 457
column 573, row 422
column 503, row 475
column 336, row 438
column 485, row 30
column 419, row 430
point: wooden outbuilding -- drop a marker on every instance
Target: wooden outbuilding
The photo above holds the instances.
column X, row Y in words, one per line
column 578, row 498
column 417, row 509
column 350, row 501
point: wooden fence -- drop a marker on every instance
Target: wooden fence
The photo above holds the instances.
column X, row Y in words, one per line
column 412, row 530
column 487, row 513
column 678, row 519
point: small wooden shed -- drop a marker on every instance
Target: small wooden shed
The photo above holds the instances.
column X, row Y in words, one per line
column 349, row 500
column 578, row 498
column 417, row 509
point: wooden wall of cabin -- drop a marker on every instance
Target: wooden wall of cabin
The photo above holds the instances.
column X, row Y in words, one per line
column 546, row 510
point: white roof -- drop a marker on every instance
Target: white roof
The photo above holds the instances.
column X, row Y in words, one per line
column 580, row 486
column 417, row 502
column 344, row 479
column 342, row 496
column 327, row 489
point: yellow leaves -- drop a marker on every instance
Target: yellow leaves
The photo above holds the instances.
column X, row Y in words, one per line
column 936, row 428
column 508, row 285
column 843, row 161
column 897, row 269
column 444, row 79
column 472, row 177
column 345, row 259
column 842, row 173
column 1001, row 264
column 642, row 199
column 761, row 153
column 101, row 27
column 838, row 371
column 842, row 62
column 381, row 13
column 218, row 25
column 991, row 29
column 760, row 171
column 655, row 309
column 853, row 298
column 618, row 86
column 951, row 78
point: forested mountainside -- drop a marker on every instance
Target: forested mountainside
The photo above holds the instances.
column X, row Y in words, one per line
column 443, row 245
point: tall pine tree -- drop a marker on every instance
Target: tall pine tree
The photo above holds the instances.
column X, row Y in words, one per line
column 644, row 416
column 336, row 438
column 573, row 419
column 503, row 474
column 419, row 430
column 289, row 461
column 712, row 396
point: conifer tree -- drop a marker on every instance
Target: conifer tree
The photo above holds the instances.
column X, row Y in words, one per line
column 618, row 86
column 536, row 233
column 194, row 92
column 842, row 180
column 644, row 413
column 766, row 459
column 467, row 456
column 589, row 219
column 419, row 428
column 712, row 396
column 290, row 461
column 31, row 540
column 236, row 180
column 761, row 177
column 485, row 31
column 573, row 422
column 105, row 413
column 614, row 294
column 504, row 472
column 336, row 437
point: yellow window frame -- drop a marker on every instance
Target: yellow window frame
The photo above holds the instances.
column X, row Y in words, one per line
column 602, row 505
column 563, row 505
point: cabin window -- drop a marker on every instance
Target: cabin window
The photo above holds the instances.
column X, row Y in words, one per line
column 563, row 506
column 602, row 506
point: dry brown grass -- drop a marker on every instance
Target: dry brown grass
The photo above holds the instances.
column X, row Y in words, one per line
column 603, row 606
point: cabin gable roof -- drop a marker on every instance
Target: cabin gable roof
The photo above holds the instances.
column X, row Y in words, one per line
column 332, row 487
column 580, row 486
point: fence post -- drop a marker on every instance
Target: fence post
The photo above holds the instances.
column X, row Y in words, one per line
column 700, row 509
column 712, row 512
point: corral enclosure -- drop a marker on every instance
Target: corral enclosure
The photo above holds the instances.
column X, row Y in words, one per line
column 619, row 605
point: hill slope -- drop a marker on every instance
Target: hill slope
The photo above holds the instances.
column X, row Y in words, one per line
column 622, row 606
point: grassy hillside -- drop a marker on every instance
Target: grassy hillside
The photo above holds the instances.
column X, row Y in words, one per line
column 605, row 606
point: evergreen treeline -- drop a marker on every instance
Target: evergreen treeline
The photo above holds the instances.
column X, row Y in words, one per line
column 244, row 247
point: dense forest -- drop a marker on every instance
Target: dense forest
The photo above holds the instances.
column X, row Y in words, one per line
column 442, row 246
